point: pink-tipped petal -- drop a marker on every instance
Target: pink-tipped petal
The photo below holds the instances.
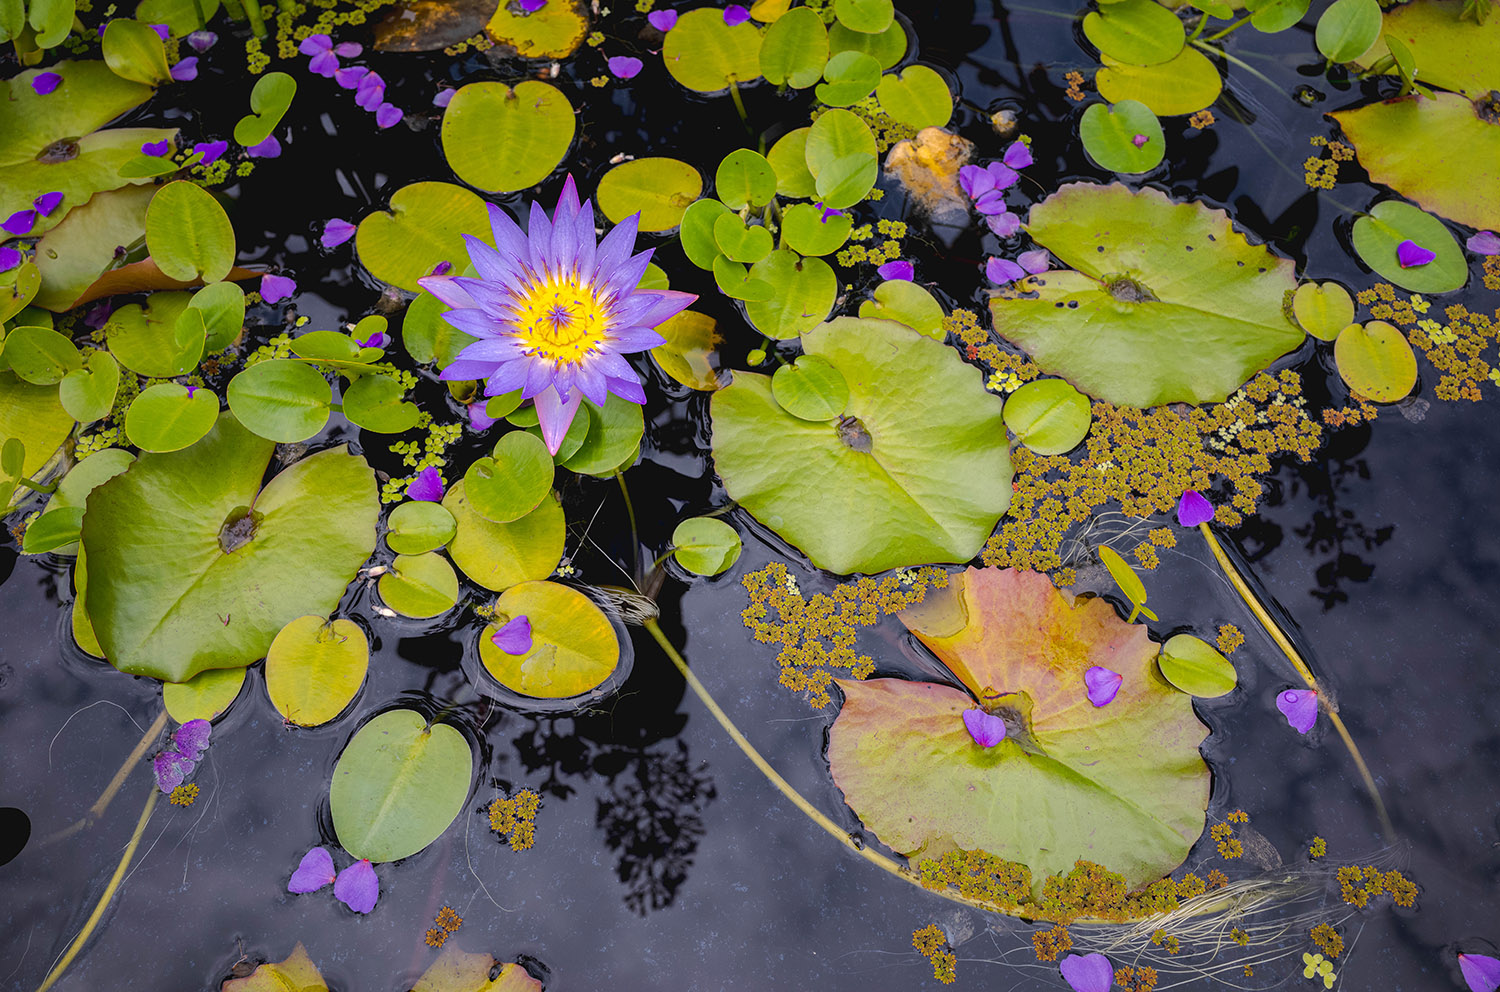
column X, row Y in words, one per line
column 1018, row 156
column 1481, row 971
column 314, row 872
column 1102, row 685
column 357, row 887
column 1088, row 972
column 336, row 232
column 1193, row 509
column 1035, row 262
column 987, row 729
column 201, row 41
column 1003, row 225
column 315, row 43
column 1300, row 707
column 515, row 637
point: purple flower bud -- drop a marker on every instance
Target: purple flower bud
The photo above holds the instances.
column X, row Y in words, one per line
column 349, row 76
column 662, row 20
column 46, row 203
column 625, row 66
column 1102, row 685
column 1484, row 243
column 20, row 222
column 1003, row 225
column 1481, row 971
column 1088, row 972
column 270, row 148
column 444, row 96
column 388, row 115
column 1410, row 254
column 348, row 49
column 315, row 43
column 162, row 31
column 1139, row 140
column 514, row 637
column 986, row 728
column 1002, row 270
column 1300, row 707
column 336, row 232
column 202, row 40
column 186, row 70
column 324, row 63
column 427, row 486
column 274, row 288
column 211, row 150
column 10, row 258
column 478, row 419
column 735, row 14
column 45, row 82
column 156, row 149
column 1018, row 156
column 532, row 6
column 315, row 871
column 1036, row 262
column 899, row 269
column 357, row 887
column 1193, row 509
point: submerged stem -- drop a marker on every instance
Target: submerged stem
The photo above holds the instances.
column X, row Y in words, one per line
column 1292, row 655
column 635, row 540
column 110, row 790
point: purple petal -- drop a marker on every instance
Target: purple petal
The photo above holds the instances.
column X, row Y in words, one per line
column 986, row 728
column 270, row 148
column 211, row 150
column 20, row 222
column 186, row 69
column 427, row 486
column 1139, row 140
column 192, row 737
column 349, row 76
column 441, row 269
column 1193, row 509
column 336, row 232
column 990, row 202
column 1102, row 685
column 444, row 97
column 376, row 340
column 532, row 6
column 388, row 115
column 478, row 419
column 735, row 14
column 274, row 288
column 1036, row 262
column 1003, row 225
column 348, row 49
column 371, row 91
column 1018, row 156
column 514, row 637
column 1411, row 254
column 1484, row 243
column 315, row 871
column 170, row 768
column 324, row 63
column 97, row 317
column 556, row 415
column 1005, row 177
column 1088, row 972
column 357, row 887
column 162, row 31
column 625, row 66
column 9, row 258
column 975, row 181
column 201, row 41
column 315, row 43
column 627, row 389
column 662, row 20
column 1002, row 270
column 899, row 269
column 1300, row 707
column 445, row 288
column 46, row 203
column 46, row 82
column 1481, row 971
column 156, row 149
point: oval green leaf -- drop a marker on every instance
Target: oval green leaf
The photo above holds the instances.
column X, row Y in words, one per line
column 1377, row 235
column 745, row 179
column 157, row 341
column 1110, row 134
column 378, row 403
column 904, row 301
column 795, row 49
column 1141, row 32
column 134, row 51
column 851, row 76
column 698, row 242
column 501, row 140
column 166, row 417
column 865, row 16
column 1193, row 666
column 573, row 644
column 187, row 232
column 806, row 231
column 1185, row 84
column 1348, row 28
column 810, row 389
column 269, row 101
column 1376, row 361
column 918, row 97
column 659, row 189
column 419, row 586
column 1049, row 416
column 314, row 669
column 423, row 228
column 613, row 439
column 1323, row 309
column 705, row 545
column 419, row 526
column 705, row 54
column 281, row 399
column 497, row 556
column 514, row 481
column 789, row 158
column 40, row 355
column 801, row 294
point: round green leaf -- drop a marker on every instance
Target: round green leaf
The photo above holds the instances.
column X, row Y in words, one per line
column 165, row 417
column 419, row 586
column 904, row 301
column 501, row 140
column 705, row 545
column 326, row 346
column 187, row 232
column 865, row 16
column 269, row 101
column 1110, row 133
column 613, row 438
column 40, row 355
column 744, row 178
column 1323, row 309
column 134, row 51
column 735, row 282
column 870, row 491
column 919, row 97
column 659, row 189
column 1049, row 416
column 1185, row 84
column 1348, row 28
column 851, row 76
column 705, row 54
column 223, row 308
column 497, row 556
column 888, row 47
column 789, row 158
column 1390, row 222
column 697, row 234
column 204, row 696
column 841, row 158
column 795, row 49
column 378, row 403
column 184, row 577
column 423, row 228
column 314, row 669
column 1376, row 361
column 514, row 481
column 1271, row 16
column 573, row 644
column 807, row 231
column 419, row 526
column 1193, row 666
column 810, row 389
column 741, row 243
column 1141, row 32
column 281, row 399
column 17, row 296
column 398, row 785
column 802, row 293
column 156, row 341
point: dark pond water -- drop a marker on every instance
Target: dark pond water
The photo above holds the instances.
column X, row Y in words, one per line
column 663, row 859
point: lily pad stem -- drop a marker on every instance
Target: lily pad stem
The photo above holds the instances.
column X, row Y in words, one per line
column 635, row 540
column 1232, row 28
column 1292, row 655
column 108, row 795
column 257, row 23
column 739, row 105
column 37, row 487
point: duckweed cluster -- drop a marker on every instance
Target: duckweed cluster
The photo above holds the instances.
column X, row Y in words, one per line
column 1050, row 944
column 932, row 943
column 1454, row 348
column 514, row 819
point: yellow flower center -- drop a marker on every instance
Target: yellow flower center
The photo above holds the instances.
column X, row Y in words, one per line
column 561, row 319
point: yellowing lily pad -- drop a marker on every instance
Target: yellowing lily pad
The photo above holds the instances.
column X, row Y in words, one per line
column 314, row 669
column 691, row 338
column 904, row 301
column 419, row 586
column 423, row 227
column 1184, row 84
column 1376, row 361
column 501, row 140
column 1451, row 51
column 1323, row 309
column 204, row 696
column 457, row 971
column 705, row 54
column 496, row 555
column 554, row 32
column 573, row 649
column 659, row 189
column 1141, row 32
column 296, row 972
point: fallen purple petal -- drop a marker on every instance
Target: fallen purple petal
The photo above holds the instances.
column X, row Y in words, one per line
column 162, row 31
column 1088, row 972
column 899, row 269
column 46, row 82
column 376, row 340
column 827, row 212
column 211, row 150
column 532, row 6
column 1002, row 270
column 186, row 70
column 46, row 203
column 314, row 872
column 1003, row 224
column 20, row 222
column 388, row 115
column 191, row 389
column 274, row 288
column 1139, row 140
column 170, row 769
column 625, row 66
column 315, row 43
column 371, row 91
column 192, row 737
column 1481, row 971
column 9, row 258
column 348, row 49
column 155, row 149
column 735, row 14
column 1300, row 707
column 514, row 637
column 336, row 232
column 974, row 180
column 1003, row 175
column 662, row 20
column 1018, row 156
column 1036, row 262
column 986, row 728
column 1102, row 685
column 324, row 63
column 1484, row 243
column 1194, row 509
column 1410, row 254
column 349, row 76
column 270, row 148
column 201, row 41
column 444, row 97
column 99, row 315
column 357, row 887
column 990, row 202
column 427, row 486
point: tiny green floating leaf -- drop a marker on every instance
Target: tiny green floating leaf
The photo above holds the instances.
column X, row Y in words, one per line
column 1049, row 416
column 269, row 102
column 1123, row 137
column 419, row 586
column 419, row 526
column 1193, row 666
column 1376, row 361
column 705, row 545
column 1323, row 309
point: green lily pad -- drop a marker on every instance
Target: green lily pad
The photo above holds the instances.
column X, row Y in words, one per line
column 41, row 355
column 553, row 32
column 79, row 250
column 870, row 491
column 1377, row 236
column 378, row 403
column 1168, row 302
column 807, row 231
column 573, row 644
column 514, row 481
column 735, row 281
column 423, row 228
column 15, row 297
column 154, row 341
column 269, row 102
column 705, row 545
column 182, row 580
column 901, row 754
column 1323, row 309
column 1376, row 361
column 1439, row 151
column 281, row 399
column 1452, row 51
column 296, row 972
column 841, row 158
column 865, row 16
column 1141, row 32
column 741, row 243
column 659, row 189
column 204, row 696
column 789, row 158
column 314, row 669
column 52, row 20
column 1184, row 84
column 1193, row 666
column 1271, row 16
column 134, row 51
column 1123, row 137
column 744, row 179
column 1049, row 416
column 501, row 140
column 419, row 586
column 165, row 417
column 705, row 54
column 904, row 301
column 419, row 526
column 52, row 531
column 795, row 49
column 810, row 389
column 83, row 478
column 613, row 438
column 697, row 234
column 888, row 47
column 1348, row 28
column 33, row 416
column 497, row 556
column 918, row 97
column 691, row 338
column 801, row 295
column 398, row 785
column 850, row 77
column 188, row 233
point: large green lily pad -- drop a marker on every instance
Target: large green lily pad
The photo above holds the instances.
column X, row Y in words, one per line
column 1450, row 50
column 1121, row 785
column 915, row 470
column 176, row 586
column 1167, row 303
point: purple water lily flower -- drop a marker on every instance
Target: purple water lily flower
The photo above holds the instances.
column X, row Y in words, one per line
column 192, row 737
column 625, row 66
column 735, row 14
column 314, row 872
column 1035, row 262
column 1193, row 509
column 1481, row 971
column 155, row 149
column 532, row 6
column 555, row 312
column 388, row 115
column 1002, row 270
column 186, row 70
column 1088, row 972
column 202, row 40
column 1018, row 156
column 370, row 92
column 986, row 728
column 336, row 232
column 357, row 886
column 478, row 419
column 46, row 203
column 46, row 82
column 20, row 222
column 427, row 486
column 1300, row 707
column 1139, row 140
column 444, row 96
column 1102, row 685
column 211, row 150
column 1410, row 254
column 1484, row 243
column 1004, row 224
column 662, row 20
column 274, row 288
column 349, row 76
column 10, row 258
column 899, row 269
column 514, row 637
column 270, row 148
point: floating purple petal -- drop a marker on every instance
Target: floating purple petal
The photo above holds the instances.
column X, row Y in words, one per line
column 324, row 63
column 162, row 31
column 514, row 637
column 1003, row 225
column 348, row 49
column 270, row 148
column 375, row 340
column 315, row 871
column 990, row 202
column 625, row 66
column 274, row 288
column 1018, row 156
column 46, row 203
column 1193, row 509
column 1002, row 175
column 662, row 20
column 1481, row 971
column 444, row 96
column 10, row 258
column 1484, row 243
column 974, row 180
column 1102, row 685
column 1088, row 972
column 1002, row 270
column 442, row 268
column 156, row 149
column 170, row 768
column 427, row 486
column 1036, row 262
column 211, row 150
column 986, row 728
column 371, row 91
column 1300, row 707
column 735, row 14
column 349, row 76
column 388, row 115
column 532, row 6
column 1139, row 140
column 201, row 41
column 315, row 43
column 20, row 222
column 336, row 232
column 186, row 70
column 46, row 82
column 192, row 738
column 99, row 315
column 357, row 887
column 1410, row 254
column 899, row 269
